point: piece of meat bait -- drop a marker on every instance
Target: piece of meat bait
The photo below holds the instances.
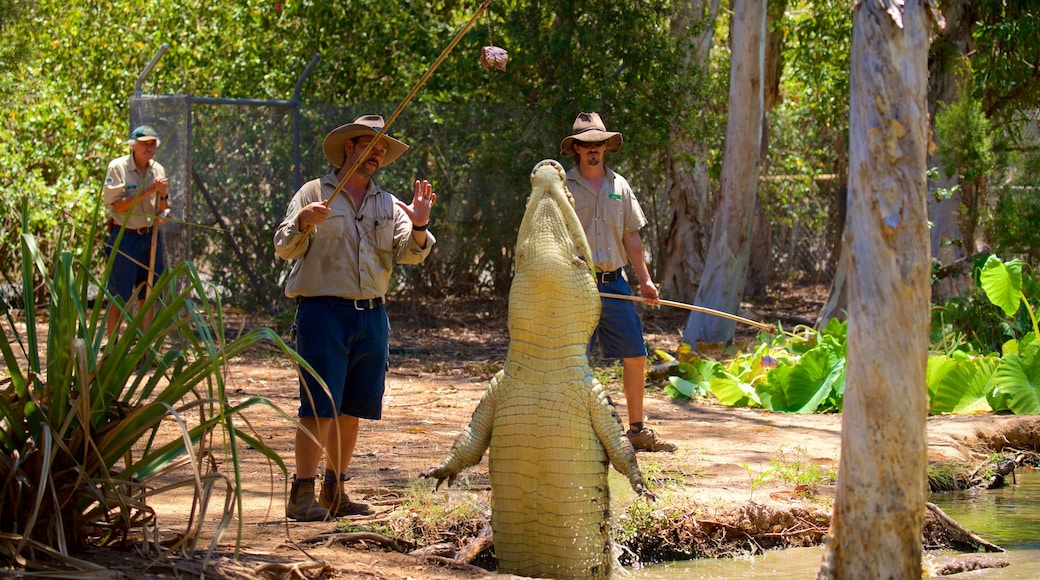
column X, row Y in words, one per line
column 494, row 57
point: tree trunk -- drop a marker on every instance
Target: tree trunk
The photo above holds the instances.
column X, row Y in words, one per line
column 949, row 75
column 880, row 500
column 689, row 188
column 725, row 272
column 760, row 267
column 838, row 300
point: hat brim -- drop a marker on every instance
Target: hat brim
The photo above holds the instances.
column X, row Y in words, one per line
column 333, row 145
column 612, row 138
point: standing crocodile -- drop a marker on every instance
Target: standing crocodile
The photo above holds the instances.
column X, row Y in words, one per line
column 550, row 426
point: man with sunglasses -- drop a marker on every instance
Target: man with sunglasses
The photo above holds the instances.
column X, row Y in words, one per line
column 612, row 218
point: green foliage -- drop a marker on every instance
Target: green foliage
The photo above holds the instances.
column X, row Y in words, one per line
column 959, row 383
column 799, row 470
column 87, row 437
column 975, row 323
column 948, row 477
column 804, row 371
column 1007, row 49
column 475, row 133
column 1016, row 382
column 758, row 478
column 808, row 129
column 1015, row 218
column 965, row 144
column 427, row 518
column 799, row 372
column 1002, row 282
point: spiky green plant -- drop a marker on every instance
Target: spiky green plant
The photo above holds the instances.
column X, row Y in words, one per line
column 82, row 448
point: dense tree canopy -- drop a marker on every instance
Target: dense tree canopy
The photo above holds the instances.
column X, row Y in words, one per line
column 68, row 70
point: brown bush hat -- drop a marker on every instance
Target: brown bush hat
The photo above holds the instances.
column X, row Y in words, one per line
column 363, row 125
column 589, row 128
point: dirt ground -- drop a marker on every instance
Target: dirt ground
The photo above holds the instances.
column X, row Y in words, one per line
column 439, row 369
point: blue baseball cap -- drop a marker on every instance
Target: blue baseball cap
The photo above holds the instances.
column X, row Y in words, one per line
column 144, row 133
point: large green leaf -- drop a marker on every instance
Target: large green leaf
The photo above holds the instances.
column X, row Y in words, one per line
column 1002, row 282
column 959, row 385
column 731, row 391
column 1016, row 382
column 812, row 380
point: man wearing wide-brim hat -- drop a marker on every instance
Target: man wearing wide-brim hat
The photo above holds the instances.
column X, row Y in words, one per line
column 612, row 218
column 344, row 248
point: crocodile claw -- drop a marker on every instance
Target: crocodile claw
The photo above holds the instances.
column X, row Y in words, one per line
column 440, row 475
column 645, row 493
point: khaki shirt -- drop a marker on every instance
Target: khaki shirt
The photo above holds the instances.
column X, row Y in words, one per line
column 124, row 179
column 606, row 215
column 351, row 254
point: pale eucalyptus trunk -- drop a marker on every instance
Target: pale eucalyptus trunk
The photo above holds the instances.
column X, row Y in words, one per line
column 760, row 267
column 725, row 272
column 688, row 185
column 949, row 76
column 880, row 500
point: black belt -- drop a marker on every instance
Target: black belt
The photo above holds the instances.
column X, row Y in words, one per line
column 140, row 231
column 608, row 277
column 360, row 304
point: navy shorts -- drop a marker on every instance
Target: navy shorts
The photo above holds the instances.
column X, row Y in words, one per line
column 130, row 268
column 620, row 330
column 350, row 350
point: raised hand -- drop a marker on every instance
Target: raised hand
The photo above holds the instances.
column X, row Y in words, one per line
column 422, row 202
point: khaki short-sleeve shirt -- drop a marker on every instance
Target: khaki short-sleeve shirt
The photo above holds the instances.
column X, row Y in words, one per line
column 352, row 253
column 124, row 179
column 607, row 215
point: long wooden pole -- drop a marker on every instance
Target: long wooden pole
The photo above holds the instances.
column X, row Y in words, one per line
column 760, row 325
column 151, row 258
column 407, row 99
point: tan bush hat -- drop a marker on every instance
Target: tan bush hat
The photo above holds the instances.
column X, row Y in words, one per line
column 589, row 128
column 363, row 125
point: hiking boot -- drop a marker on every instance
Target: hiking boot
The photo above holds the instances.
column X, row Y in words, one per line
column 336, row 500
column 302, row 506
column 646, row 440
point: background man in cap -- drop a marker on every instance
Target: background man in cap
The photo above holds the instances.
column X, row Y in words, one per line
column 136, row 196
column 612, row 218
column 344, row 252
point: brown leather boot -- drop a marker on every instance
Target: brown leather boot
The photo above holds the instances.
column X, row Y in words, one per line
column 336, row 500
column 302, row 506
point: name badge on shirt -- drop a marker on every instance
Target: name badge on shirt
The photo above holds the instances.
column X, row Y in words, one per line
column 614, row 195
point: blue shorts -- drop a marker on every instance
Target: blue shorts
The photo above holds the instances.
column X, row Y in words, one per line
column 348, row 348
column 130, row 268
column 620, row 329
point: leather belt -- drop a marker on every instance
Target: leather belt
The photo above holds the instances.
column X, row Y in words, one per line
column 608, row 277
column 112, row 226
column 359, row 304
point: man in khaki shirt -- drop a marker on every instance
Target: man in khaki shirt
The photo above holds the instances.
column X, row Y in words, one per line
column 344, row 251
column 135, row 194
column 612, row 218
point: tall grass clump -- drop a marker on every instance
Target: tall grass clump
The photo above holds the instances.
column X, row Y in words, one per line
column 91, row 431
